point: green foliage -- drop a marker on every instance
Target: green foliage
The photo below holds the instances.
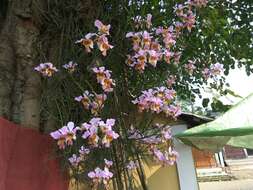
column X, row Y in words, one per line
column 219, row 36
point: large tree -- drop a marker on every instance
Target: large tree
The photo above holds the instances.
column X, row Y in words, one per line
column 34, row 31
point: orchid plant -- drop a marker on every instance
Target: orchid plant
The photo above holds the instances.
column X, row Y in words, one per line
column 125, row 142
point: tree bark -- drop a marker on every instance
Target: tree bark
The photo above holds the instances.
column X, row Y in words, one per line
column 20, row 32
column 20, row 85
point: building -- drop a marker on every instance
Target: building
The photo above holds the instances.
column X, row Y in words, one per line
column 181, row 176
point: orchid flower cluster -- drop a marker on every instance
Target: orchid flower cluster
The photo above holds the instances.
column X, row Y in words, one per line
column 96, row 131
column 99, row 133
column 140, row 22
column 101, row 176
column 100, row 38
column 75, row 159
column 158, row 100
column 161, row 139
column 95, row 102
column 186, row 15
column 215, row 70
column 92, row 102
column 150, row 46
column 168, row 157
column 104, row 78
column 158, row 43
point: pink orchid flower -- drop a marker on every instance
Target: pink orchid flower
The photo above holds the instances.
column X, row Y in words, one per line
column 167, row 56
column 108, row 163
column 179, row 9
column 155, row 46
column 98, row 103
column 190, row 21
column 103, row 77
column 166, row 133
column 87, row 42
column 85, row 99
column 172, row 156
column 141, row 56
column 103, row 44
column 135, row 38
column 74, row 160
column 101, row 73
column 70, row 66
column 153, row 57
column 107, row 126
column 46, row 69
column 95, row 174
column 171, row 80
column 110, row 135
column 169, row 95
column 198, row 3
column 84, row 151
column 57, row 135
column 99, row 175
column 107, row 85
column 70, row 132
column 206, row 73
column 140, row 66
column 174, row 111
column 159, row 156
column 216, row 69
column 106, row 175
column 131, row 165
column 190, row 67
column 130, row 60
column 177, row 56
column 155, row 104
column 91, row 131
column 179, row 26
column 169, row 40
column 103, row 29
column 146, row 39
column 65, row 135
column 149, row 21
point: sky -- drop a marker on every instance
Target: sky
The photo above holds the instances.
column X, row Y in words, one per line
column 239, row 83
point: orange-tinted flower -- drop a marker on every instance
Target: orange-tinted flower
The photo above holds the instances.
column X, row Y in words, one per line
column 103, row 45
column 87, row 42
column 103, row 29
column 46, row 69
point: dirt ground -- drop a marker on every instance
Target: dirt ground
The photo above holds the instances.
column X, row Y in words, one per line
column 244, row 184
column 244, row 180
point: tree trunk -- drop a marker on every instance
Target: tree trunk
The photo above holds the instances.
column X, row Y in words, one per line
column 20, row 34
column 20, row 85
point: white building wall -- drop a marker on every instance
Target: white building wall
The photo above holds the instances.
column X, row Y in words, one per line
column 185, row 164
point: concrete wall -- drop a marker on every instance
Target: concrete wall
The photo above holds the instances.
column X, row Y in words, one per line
column 185, row 164
column 182, row 176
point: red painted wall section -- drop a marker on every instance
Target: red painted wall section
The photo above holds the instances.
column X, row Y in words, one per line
column 203, row 159
column 234, row 153
column 27, row 160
